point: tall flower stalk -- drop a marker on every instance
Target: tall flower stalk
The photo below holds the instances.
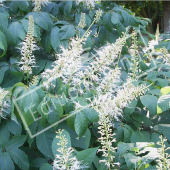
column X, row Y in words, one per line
column 134, row 53
column 163, row 159
column 39, row 3
column 3, row 103
column 69, row 60
column 106, row 139
column 27, row 61
column 65, row 160
column 92, row 74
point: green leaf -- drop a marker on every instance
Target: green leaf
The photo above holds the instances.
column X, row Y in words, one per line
column 46, row 166
column 11, row 78
column 4, row 19
column 67, row 8
column 163, row 129
column 9, row 35
column 120, row 28
column 163, row 103
column 124, row 147
column 131, row 160
column 18, row 31
column 38, row 162
column 57, row 140
column 107, row 21
column 4, row 133
column 46, row 41
column 3, row 44
column 24, row 6
column 87, row 155
column 55, row 40
column 44, row 141
column 81, row 123
column 114, row 18
column 47, row 18
column 15, row 142
column 14, row 128
column 130, row 19
column 6, row 162
column 119, row 134
column 140, row 136
column 2, row 71
column 38, row 20
column 165, row 90
column 56, row 111
column 127, row 133
column 91, row 114
column 66, row 32
column 20, row 158
column 30, row 100
column 140, row 119
column 102, row 35
column 150, row 102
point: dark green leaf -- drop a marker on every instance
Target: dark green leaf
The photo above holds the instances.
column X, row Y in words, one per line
column 20, row 158
column 87, row 155
column 81, row 123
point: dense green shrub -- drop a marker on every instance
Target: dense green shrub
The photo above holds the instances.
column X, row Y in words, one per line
column 81, row 88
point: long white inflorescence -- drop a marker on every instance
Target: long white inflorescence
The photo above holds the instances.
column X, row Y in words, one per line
column 65, row 160
column 105, row 58
column 28, row 46
column 3, row 93
column 39, row 3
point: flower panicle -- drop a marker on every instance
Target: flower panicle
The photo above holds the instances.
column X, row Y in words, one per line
column 28, row 46
column 65, row 160
column 88, row 3
column 110, row 82
column 107, row 139
column 103, row 60
column 38, row 4
column 82, row 22
column 3, row 94
column 164, row 158
column 68, row 62
column 34, row 81
column 113, row 106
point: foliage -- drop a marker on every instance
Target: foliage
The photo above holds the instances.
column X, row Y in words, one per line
column 91, row 78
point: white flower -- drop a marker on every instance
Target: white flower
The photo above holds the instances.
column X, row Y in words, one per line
column 65, row 159
column 106, row 139
column 68, row 62
column 3, row 103
column 110, row 82
column 113, row 106
column 88, row 3
column 92, row 73
column 82, row 22
column 38, row 3
column 28, row 46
